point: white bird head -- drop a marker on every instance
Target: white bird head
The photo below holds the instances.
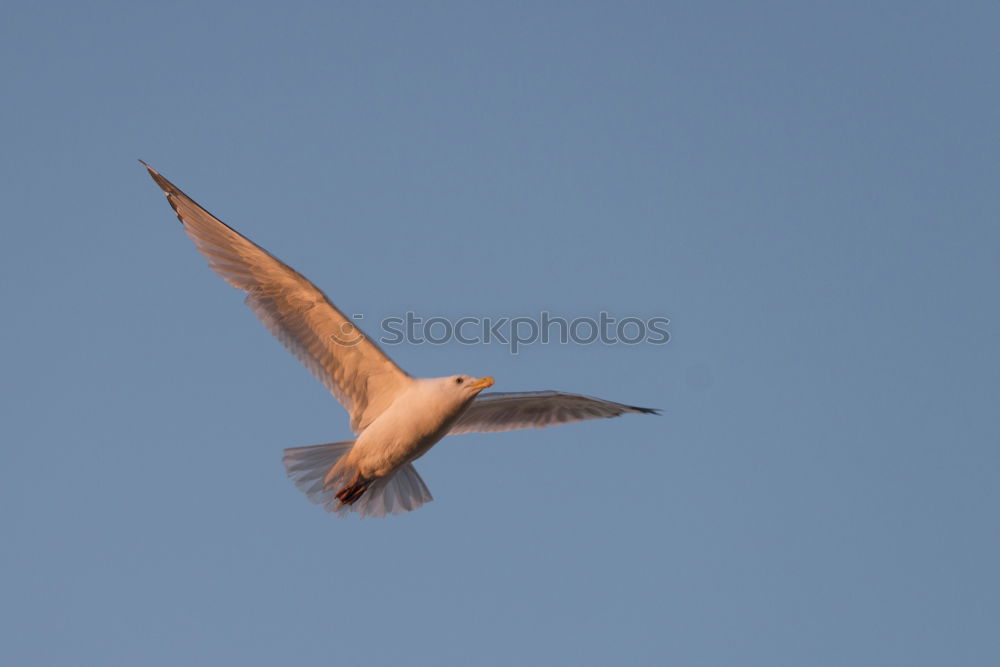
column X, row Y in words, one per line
column 464, row 387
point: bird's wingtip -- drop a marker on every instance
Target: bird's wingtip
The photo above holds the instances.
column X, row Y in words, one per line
column 165, row 185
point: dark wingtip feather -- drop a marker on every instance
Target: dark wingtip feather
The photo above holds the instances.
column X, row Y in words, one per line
column 165, row 185
column 646, row 411
column 174, row 194
column 169, row 189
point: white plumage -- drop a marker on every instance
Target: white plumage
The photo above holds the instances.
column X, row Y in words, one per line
column 397, row 417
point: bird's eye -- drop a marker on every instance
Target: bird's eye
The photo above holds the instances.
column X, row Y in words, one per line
column 458, row 380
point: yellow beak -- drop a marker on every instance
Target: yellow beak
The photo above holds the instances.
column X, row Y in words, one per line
column 482, row 383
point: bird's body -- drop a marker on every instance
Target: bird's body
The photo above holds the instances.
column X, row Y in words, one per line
column 398, row 418
column 419, row 417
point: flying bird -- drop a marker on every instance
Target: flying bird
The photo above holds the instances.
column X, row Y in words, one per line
column 397, row 418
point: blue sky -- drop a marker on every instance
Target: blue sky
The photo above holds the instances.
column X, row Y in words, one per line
column 808, row 193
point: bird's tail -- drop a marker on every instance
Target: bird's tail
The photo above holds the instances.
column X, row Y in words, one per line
column 311, row 467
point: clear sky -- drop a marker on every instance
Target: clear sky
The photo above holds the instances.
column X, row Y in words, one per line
column 807, row 190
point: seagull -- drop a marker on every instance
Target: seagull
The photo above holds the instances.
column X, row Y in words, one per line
column 397, row 418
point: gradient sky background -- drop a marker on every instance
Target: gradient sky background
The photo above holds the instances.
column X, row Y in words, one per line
column 808, row 193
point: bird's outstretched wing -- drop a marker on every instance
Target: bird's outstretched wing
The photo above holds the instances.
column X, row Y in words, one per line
column 507, row 411
column 352, row 367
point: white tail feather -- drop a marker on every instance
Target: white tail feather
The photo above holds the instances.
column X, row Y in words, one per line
column 403, row 491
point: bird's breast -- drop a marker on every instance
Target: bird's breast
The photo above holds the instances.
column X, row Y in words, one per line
column 401, row 434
